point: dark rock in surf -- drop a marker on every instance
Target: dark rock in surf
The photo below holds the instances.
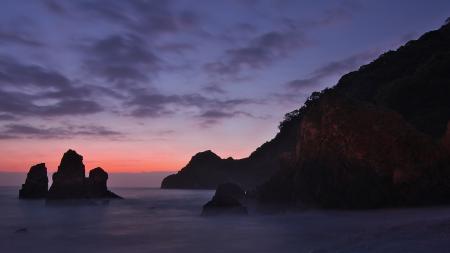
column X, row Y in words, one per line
column 226, row 201
column 97, row 180
column 36, row 183
column 96, row 183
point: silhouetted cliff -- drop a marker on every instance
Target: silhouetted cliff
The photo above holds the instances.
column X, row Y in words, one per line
column 378, row 138
column 351, row 154
column 206, row 170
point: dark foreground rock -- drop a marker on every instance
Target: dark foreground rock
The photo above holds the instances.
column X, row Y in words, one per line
column 69, row 181
column 379, row 138
column 36, row 183
column 355, row 155
column 226, row 201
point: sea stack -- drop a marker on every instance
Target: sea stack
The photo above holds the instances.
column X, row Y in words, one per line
column 69, row 181
column 96, row 184
column 36, row 184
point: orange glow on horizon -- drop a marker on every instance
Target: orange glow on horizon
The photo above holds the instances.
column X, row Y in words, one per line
column 117, row 162
column 136, row 155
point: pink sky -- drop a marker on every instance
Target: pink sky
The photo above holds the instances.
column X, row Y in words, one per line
column 123, row 156
column 141, row 86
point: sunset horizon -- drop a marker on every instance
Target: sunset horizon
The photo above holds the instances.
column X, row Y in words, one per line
column 140, row 91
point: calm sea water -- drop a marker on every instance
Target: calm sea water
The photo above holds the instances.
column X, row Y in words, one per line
column 154, row 220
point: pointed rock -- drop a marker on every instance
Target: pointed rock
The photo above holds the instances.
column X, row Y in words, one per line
column 36, row 184
column 68, row 181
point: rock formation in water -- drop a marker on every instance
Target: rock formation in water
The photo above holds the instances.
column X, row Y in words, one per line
column 69, row 181
column 226, row 200
column 96, row 184
column 36, row 183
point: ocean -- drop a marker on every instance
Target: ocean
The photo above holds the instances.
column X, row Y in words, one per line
column 155, row 220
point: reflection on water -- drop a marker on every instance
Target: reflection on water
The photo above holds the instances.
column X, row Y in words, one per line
column 154, row 220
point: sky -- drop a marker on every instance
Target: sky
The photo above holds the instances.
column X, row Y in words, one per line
column 141, row 86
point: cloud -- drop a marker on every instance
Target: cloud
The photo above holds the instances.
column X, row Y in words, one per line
column 263, row 50
column 17, row 74
column 333, row 68
column 176, row 47
column 214, row 88
column 120, row 58
column 299, row 89
column 260, row 52
column 289, row 98
column 33, row 90
column 55, row 7
column 17, row 37
column 18, row 103
column 25, row 131
column 150, row 104
column 7, row 117
column 143, row 17
column 217, row 114
column 336, row 12
column 71, row 107
column 214, row 116
column 165, row 132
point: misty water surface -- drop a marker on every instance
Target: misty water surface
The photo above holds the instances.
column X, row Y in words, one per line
column 154, row 220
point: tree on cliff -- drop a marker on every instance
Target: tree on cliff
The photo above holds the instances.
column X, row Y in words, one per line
column 293, row 117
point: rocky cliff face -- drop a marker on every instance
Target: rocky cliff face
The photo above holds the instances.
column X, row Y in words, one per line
column 355, row 155
column 378, row 138
column 36, row 184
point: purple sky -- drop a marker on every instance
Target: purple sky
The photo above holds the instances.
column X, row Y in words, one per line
column 144, row 85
